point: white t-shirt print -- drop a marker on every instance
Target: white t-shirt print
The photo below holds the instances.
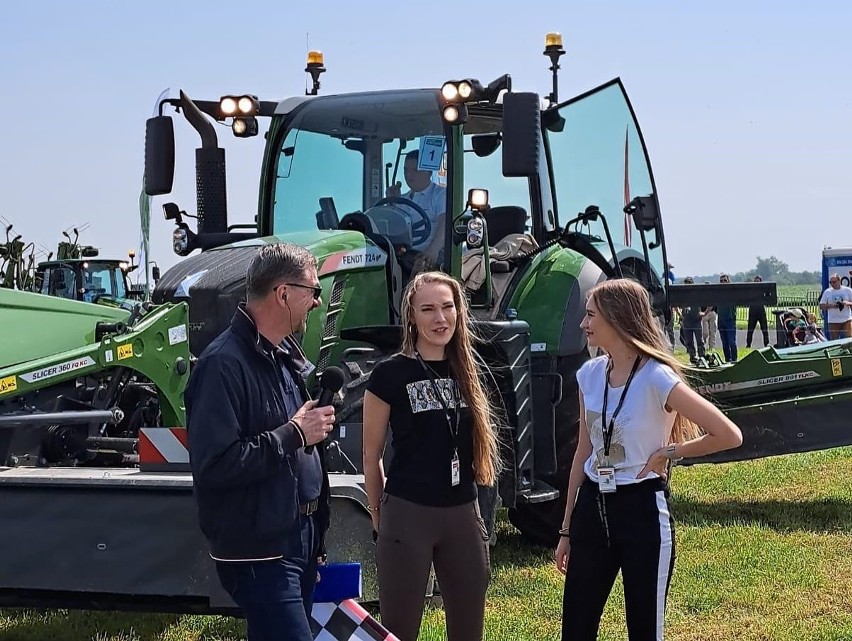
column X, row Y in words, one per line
column 642, row 426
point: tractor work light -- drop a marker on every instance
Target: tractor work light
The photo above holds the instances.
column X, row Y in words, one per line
column 454, row 114
column 227, row 106
column 467, row 90
column 245, row 105
column 244, row 127
column 450, row 91
column 477, row 199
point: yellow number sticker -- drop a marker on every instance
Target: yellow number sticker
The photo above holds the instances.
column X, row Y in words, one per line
column 836, row 367
column 8, row 384
column 125, row 351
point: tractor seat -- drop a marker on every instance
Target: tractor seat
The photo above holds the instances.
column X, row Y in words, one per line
column 505, row 220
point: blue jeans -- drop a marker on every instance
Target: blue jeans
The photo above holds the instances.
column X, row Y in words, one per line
column 277, row 596
column 728, row 334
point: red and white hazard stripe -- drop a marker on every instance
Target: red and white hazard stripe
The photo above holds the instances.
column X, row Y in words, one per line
column 163, row 448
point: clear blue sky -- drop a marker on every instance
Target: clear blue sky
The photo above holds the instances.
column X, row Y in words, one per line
column 746, row 108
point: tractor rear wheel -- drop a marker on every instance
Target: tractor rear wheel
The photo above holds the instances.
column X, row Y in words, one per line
column 540, row 522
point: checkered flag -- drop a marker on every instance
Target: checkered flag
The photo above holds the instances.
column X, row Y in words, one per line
column 346, row 621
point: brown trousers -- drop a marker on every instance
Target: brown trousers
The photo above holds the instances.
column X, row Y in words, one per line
column 412, row 537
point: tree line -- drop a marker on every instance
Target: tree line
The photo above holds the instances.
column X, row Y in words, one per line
column 770, row 269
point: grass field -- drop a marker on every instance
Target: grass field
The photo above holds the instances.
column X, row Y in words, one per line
column 765, row 553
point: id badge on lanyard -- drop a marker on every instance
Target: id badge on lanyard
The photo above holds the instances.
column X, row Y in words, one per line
column 606, row 479
column 455, row 470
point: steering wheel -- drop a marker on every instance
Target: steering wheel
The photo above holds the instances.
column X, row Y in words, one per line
column 421, row 229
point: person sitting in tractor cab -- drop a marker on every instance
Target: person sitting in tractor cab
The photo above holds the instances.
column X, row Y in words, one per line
column 432, row 198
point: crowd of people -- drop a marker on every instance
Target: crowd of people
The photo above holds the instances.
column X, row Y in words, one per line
column 700, row 325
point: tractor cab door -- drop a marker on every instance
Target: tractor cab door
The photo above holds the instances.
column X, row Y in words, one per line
column 598, row 159
column 59, row 281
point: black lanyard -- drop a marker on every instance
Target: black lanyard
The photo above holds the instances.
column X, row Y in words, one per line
column 448, row 413
column 608, row 430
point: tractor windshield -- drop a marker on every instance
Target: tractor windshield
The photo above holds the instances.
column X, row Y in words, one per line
column 340, row 155
column 102, row 279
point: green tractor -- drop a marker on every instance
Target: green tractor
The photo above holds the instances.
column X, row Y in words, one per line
column 78, row 274
column 560, row 186
column 542, row 199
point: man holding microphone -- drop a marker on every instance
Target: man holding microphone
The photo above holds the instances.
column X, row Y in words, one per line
column 260, row 486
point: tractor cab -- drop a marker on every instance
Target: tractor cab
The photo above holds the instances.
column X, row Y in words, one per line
column 83, row 280
column 433, row 181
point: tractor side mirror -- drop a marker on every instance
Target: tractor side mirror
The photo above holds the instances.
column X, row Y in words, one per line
column 159, row 155
column 521, row 127
column 645, row 212
column 155, row 273
column 485, row 144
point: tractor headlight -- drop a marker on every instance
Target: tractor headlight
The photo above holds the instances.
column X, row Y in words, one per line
column 180, row 241
column 475, row 232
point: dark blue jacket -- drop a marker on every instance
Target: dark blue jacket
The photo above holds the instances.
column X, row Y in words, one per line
column 242, row 448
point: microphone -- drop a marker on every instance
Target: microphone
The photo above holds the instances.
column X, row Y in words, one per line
column 331, row 380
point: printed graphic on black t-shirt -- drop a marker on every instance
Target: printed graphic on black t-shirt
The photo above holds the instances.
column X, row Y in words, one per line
column 423, row 395
column 421, row 440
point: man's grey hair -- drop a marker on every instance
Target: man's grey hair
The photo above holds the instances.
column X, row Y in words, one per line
column 276, row 264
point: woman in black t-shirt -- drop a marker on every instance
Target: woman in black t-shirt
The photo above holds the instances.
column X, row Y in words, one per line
column 443, row 443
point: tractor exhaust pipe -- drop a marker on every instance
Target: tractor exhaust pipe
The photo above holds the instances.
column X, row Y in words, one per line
column 41, row 419
column 210, row 191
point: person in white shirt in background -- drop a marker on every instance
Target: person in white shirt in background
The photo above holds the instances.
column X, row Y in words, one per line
column 637, row 416
column 432, row 198
column 837, row 301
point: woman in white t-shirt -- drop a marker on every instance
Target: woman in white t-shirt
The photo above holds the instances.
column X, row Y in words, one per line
column 617, row 515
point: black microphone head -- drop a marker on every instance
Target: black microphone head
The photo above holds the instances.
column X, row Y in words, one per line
column 332, row 378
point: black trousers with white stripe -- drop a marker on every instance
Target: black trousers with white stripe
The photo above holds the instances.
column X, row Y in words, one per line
column 630, row 530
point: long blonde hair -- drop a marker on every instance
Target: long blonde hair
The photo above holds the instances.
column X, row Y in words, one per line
column 459, row 351
column 624, row 304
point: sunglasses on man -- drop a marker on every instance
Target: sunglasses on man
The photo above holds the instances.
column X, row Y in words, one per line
column 316, row 289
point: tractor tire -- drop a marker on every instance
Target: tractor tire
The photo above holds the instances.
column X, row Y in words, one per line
column 540, row 522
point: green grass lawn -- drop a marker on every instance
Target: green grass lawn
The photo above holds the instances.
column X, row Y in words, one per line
column 764, row 553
